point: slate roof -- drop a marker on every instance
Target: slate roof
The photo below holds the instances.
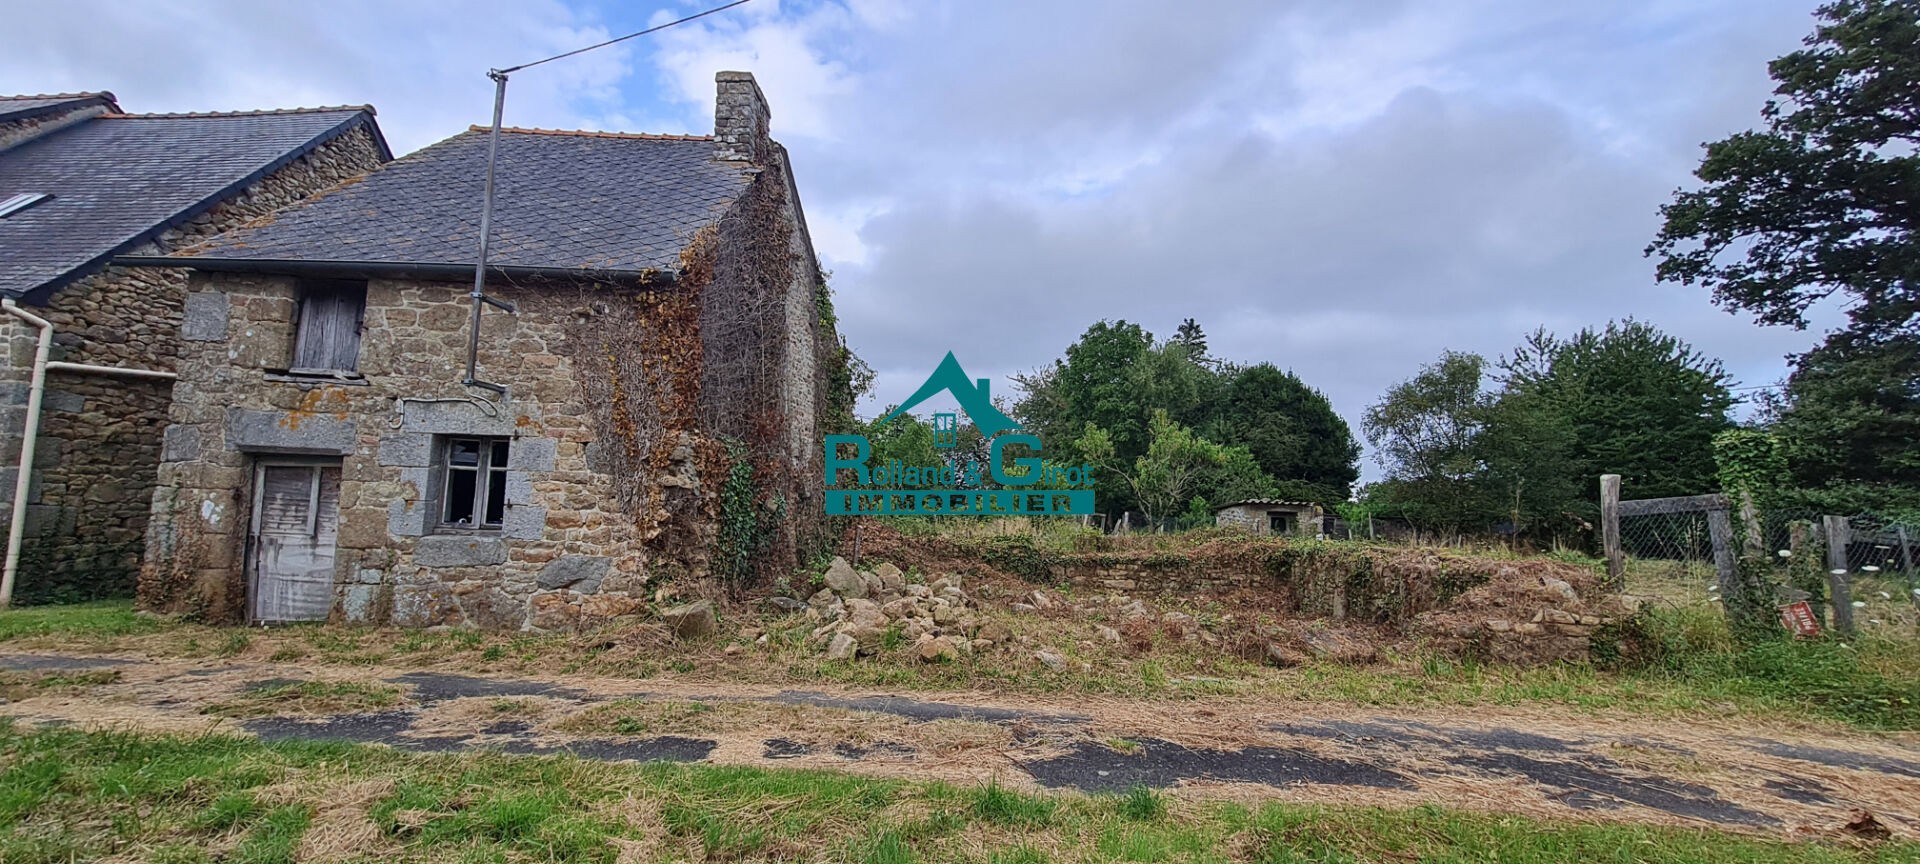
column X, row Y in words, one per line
column 118, row 180
column 1264, row 502
column 25, row 107
column 563, row 200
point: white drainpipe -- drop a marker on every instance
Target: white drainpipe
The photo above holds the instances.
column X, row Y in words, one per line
column 16, row 529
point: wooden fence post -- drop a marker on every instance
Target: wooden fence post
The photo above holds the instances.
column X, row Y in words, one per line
column 1720, row 530
column 1610, row 531
column 1839, row 595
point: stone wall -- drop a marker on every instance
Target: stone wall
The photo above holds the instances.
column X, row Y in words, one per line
column 100, row 436
column 1185, row 580
column 569, row 552
column 763, row 378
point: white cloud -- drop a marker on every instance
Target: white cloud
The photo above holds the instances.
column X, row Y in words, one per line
column 782, row 52
column 422, row 65
column 1342, row 189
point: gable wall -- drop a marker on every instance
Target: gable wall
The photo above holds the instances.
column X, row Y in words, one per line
column 99, row 444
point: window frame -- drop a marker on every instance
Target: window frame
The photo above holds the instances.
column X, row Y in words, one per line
column 488, row 465
column 306, row 320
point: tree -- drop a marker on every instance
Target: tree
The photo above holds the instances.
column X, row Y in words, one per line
column 1848, row 418
column 1095, row 383
column 1290, row 428
column 1192, row 341
column 1527, row 473
column 1628, row 400
column 1164, row 477
column 1238, row 477
column 906, row 438
column 1358, row 514
column 1823, row 200
column 1427, row 431
column 1115, row 377
column 1167, row 378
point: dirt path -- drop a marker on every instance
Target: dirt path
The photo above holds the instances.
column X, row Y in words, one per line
column 1520, row 760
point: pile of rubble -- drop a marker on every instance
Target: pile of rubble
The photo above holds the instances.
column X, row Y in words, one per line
column 858, row 609
column 1524, row 617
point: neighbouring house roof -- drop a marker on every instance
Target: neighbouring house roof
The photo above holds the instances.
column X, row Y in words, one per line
column 117, row 181
column 16, row 108
column 1263, row 502
column 585, row 202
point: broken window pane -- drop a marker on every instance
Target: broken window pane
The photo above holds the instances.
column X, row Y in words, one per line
column 460, row 489
column 496, row 497
column 475, row 495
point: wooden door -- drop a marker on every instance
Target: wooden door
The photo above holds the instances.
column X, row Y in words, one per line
column 296, row 518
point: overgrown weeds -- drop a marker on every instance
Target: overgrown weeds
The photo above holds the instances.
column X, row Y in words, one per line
column 1872, row 681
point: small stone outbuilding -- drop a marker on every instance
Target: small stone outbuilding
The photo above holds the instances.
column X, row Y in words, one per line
column 1269, row 516
column 81, row 181
column 662, row 372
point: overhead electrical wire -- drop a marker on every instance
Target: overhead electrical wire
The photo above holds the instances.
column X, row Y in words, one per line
column 622, row 38
column 479, row 292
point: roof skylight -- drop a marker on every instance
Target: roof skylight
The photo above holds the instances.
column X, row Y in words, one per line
column 21, row 202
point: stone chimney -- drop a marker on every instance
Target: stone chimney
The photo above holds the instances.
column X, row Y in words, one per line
column 740, row 118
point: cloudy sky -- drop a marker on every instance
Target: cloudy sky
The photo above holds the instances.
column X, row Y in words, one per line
column 1343, row 189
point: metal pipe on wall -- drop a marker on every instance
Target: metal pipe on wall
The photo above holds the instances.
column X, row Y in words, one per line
column 30, row 435
column 479, row 293
column 23, row 480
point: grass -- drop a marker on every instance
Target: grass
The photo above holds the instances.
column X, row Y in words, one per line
column 68, row 795
column 307, row 697
column 79, row 621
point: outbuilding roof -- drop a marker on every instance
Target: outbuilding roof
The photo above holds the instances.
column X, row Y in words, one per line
column 116, row 181
column 564, row 201
column 1264, row 502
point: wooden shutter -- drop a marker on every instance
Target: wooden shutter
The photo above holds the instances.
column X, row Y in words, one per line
column 329, row 336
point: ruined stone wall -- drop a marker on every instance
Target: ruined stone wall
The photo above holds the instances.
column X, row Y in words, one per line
column 100, row 436
column 1185, row 580
column 573, row 549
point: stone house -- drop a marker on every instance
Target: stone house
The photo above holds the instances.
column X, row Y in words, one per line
column 653, row 371
column 82, row 182
column 1269, row 516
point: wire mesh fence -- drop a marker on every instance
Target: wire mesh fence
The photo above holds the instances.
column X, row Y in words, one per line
column 1876, row 557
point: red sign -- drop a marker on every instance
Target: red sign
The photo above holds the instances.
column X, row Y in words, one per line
column 1798, row 617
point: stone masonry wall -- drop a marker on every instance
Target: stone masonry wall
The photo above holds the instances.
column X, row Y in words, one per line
column 99, row 444
column 764, row 376
column 567, row 556
column 1150, row 579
